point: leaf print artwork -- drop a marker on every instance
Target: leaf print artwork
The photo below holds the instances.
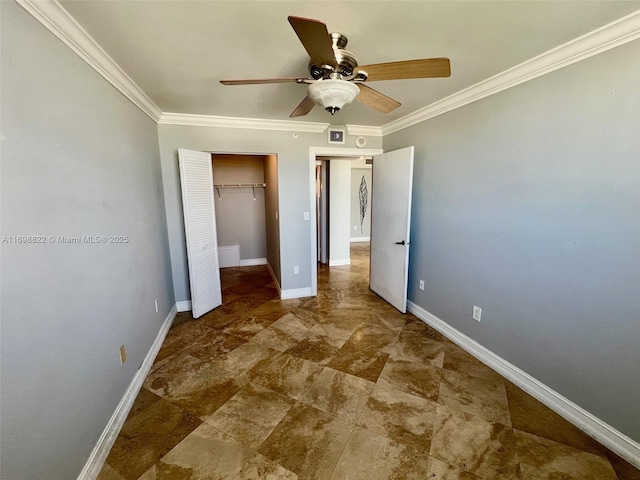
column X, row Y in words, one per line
column 364, row 199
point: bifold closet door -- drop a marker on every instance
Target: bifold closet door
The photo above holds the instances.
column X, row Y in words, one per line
column 196, row 179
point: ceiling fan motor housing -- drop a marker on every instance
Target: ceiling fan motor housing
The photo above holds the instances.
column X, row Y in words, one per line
column 346, row 61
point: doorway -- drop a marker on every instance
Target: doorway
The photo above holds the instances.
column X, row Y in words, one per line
column 199, row 192
column 341, row 156
column 246, row 200
column 343, row 210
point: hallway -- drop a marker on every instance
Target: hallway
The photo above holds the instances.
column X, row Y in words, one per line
column 341, row 386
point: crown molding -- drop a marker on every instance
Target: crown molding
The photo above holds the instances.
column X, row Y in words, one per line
column 619, row 32
column 235, row 122
column 58, row 21
column 368, row 131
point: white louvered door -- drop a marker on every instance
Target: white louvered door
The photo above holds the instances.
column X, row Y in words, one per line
column 196, row 178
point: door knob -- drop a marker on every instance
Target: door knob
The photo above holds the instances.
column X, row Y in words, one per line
column 400, row 243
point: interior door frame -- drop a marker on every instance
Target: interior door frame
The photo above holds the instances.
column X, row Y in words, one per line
column 326, row 152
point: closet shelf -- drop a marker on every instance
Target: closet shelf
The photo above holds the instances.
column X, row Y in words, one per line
column 253, row 186
column 239, row 185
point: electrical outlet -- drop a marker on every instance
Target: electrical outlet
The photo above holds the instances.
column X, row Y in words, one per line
column 296, row 270
column 477, row 313
column 306, row 215
column 123, row 355
column 156, row 302
column 421, row 285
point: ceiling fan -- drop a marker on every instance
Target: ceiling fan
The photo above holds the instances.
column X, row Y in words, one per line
column 337, row 79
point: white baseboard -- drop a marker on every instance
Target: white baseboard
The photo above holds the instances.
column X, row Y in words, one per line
column 184, row 306
column 253, row 261
column 296, row 293
column 339, row 262
column 604, row 433
column 360, row 239
column 99, row 454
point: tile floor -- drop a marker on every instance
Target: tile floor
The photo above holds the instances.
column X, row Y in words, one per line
column 341, row 386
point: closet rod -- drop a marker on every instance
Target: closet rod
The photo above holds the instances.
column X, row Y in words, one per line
column 239, row 185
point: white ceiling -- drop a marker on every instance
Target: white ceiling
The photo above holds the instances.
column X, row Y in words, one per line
column 177, row 51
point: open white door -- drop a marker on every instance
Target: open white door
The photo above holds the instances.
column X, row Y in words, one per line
column 196, row 178
column 391, row 225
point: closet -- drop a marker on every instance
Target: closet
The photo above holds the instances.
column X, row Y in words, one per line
column 245, row 196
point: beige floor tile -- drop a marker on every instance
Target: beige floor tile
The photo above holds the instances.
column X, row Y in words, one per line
column 308, row 442
column 474, row 445
column 210, row 347
column 339, row 394
column 247, row 356
column 180, row 336
column 147, row 436
column 218, row 319
column 542, row 459
column 197, row 386
column 392, row 319
column 411, row 377
column 184, row 365
column 316, row 348
column 364, row 302
column 428, row 414
column 439, row 470
column 248, row 326
column 108, row 473
column 338, row 326
column 209, row 454
column 478, row 396
column 457, row 359
column 624, row 469
column 415, row 325
column 531, row 416
column 405, row 418
column 288, row 375
column 414, row 347
column 279, row 336
column 144, row 400
column 300, row 319
column 365, row 353
column 368, row 456
column 251, row 414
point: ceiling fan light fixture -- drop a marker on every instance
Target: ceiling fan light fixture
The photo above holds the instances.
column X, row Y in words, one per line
column 331, row 94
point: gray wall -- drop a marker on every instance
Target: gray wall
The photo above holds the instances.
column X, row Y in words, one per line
column 77, row 159
column 527, row 204
column 271, row 209
column 358, row 229
column 240, row 216
column 293, row 181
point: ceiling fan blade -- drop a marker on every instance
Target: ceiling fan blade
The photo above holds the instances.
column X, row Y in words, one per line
column 315, row 39
column 425, row 68
column 305, row 107
column 376, row 100
column 258, row 81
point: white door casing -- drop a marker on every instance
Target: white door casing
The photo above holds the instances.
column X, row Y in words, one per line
column 391, row 225
column 196, row 179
